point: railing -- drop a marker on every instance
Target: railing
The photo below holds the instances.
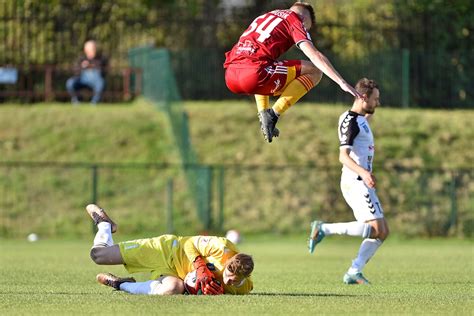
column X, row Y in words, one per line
column 39, row 83
column 150, row 199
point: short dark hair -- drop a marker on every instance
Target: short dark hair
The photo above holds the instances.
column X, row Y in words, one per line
column 240, row 264
column 366, row 86
column 308, row 7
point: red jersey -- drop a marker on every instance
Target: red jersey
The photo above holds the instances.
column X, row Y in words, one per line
column 267, row 38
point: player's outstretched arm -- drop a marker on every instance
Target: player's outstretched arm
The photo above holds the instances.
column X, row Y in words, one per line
column 323, row 64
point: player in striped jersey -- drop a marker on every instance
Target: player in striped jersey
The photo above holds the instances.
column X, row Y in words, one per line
column 252, row 66
column 357, row 183
column 220, row 268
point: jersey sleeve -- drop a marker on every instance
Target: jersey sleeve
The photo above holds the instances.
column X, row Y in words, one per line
column 348, row 130
column 209, row 246
column 297, row 30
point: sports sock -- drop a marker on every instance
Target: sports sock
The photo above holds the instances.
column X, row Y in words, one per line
column 263, row 102
column 292, row 93
column 149, row 287
column 350, row 228
column 103, row 237
column 367, row 249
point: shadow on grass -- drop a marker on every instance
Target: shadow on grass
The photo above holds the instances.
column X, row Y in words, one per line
column 121, row 292
column 304, row 294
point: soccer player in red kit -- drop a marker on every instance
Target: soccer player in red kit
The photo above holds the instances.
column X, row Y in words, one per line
column 252, row 66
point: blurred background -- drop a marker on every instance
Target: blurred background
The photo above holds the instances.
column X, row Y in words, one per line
column 170, row 53
column 421, row 51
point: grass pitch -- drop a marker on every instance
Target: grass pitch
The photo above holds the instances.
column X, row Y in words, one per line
column 408, row 277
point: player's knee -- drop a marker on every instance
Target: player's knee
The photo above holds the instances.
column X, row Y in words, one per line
column 169, row 288
column 316, row 75
column 380, row 233
column 319, row 76
column 97, row 255
column 384, row 233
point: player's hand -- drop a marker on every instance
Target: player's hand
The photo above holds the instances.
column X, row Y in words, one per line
column 369, row 179
column 213, row 288
column 204, row 276
column 348, row 88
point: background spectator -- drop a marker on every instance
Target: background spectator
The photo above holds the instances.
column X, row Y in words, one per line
column 89, row 73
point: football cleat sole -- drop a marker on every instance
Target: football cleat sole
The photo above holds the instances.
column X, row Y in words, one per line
column 98, row 215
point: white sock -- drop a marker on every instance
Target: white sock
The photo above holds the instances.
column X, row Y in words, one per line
column 149, row 287
column 350, row 228
column 103, row 237
column 366, row 251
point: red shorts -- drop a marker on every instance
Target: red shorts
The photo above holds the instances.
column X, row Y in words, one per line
column 265, row 80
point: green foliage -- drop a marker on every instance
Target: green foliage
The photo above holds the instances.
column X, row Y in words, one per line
column 52, row 277
column 362, row 35
column 346, row 28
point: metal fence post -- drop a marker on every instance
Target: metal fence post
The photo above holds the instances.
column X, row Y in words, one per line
column 169, row 207
column 405, row 78
column 185, row 137
column 220, row 193
column 453, row 217
column 206, row 190
column 94, row 189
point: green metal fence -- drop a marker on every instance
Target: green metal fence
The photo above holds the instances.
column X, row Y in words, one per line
column 49, row 198
column 152, row 199
column 407, row 78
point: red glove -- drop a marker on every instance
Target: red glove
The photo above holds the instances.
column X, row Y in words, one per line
column 213, row 288
column 203, row 274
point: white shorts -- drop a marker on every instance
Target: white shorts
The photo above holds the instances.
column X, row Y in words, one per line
column 363, row 200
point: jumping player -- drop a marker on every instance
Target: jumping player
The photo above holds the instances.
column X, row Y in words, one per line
column 252, row 66
column 169, row 259
column 357, row 183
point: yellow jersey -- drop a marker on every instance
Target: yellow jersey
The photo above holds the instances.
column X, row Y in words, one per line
column 174, row 255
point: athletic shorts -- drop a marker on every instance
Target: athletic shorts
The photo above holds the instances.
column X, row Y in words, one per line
column 271, row 79
column 363, row 200
column 149, row 255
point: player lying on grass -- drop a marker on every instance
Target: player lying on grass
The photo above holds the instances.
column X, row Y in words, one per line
column 356, row 154
column 252, row 66
column 169, row 259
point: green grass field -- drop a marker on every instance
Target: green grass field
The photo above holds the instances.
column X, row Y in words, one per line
column 408, row 277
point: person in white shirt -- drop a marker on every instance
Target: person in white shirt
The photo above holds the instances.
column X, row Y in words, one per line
column 358, row 183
